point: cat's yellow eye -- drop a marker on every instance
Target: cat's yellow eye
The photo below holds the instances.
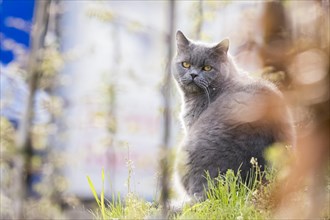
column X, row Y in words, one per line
column 207, row 68
column 186, row 64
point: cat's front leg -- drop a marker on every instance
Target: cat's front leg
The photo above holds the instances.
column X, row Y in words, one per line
column 196, row 186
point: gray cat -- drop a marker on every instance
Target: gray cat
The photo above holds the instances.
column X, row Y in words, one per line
column 228, row 117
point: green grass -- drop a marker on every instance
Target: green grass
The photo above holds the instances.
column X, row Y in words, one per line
column 227, row 198
column 130, row 207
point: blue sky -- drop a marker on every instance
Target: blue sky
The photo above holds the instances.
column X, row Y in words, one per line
column 9, row 11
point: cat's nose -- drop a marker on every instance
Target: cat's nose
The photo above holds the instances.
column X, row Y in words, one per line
column 193, row 75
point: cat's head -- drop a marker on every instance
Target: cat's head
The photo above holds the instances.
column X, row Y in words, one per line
column 197, row 65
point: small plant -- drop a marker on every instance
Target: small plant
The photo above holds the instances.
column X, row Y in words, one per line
column 131, row 207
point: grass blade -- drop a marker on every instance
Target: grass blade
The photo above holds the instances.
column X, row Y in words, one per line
column 102, row 197
column 91, row 186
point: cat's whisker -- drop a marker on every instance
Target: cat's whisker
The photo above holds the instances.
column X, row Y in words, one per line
column 206, row 89
column 204, row 86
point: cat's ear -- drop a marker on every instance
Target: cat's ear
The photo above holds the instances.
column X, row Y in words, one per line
column 223, row 46
column 181, row 40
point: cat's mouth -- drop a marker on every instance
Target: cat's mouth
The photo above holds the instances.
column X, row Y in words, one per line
column 194, row 85
column 190, row 86
column 197, row 86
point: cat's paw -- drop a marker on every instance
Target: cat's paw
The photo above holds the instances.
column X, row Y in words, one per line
column 199, row 197
column 177, row 205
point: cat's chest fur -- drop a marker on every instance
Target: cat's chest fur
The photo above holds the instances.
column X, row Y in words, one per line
column 197, row 105
column 193, row 108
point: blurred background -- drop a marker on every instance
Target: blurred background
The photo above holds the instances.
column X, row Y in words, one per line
column 82, row 89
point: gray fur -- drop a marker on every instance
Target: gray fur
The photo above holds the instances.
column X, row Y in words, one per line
column 228, row 116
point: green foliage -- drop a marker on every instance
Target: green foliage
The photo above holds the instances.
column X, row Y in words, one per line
column 131, row 207
column 228, row 197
